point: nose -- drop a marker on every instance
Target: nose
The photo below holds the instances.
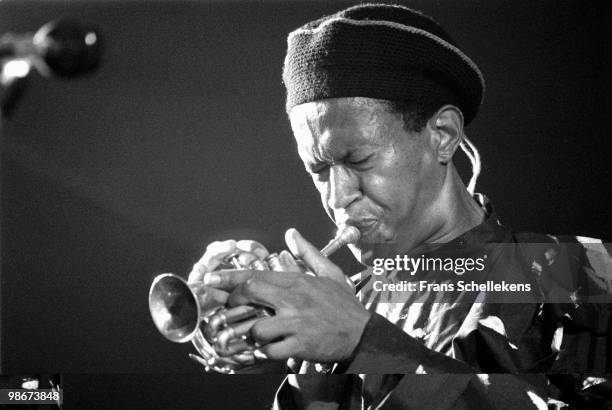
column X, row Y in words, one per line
column 343, row 187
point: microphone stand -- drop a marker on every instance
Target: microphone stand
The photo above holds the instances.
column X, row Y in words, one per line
column 62, row 48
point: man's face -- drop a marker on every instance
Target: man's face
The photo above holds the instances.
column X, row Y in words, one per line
column 370, row 171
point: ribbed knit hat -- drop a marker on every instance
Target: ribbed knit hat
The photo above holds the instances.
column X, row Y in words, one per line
column 379, row 51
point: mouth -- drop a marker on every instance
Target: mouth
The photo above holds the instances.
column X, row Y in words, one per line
column 365, row 226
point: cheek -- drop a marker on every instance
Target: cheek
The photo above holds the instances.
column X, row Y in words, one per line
column 321, row 187
column 399, row 183
column 396, row 179
column 323, row 194
column 390, row 191
column 417, row 170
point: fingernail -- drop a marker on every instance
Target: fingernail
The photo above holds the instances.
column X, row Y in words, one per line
column 290, row 240
column 192, row 280
column 286, row 258
column 196, row 274
column 260, row 355
column 212, row 279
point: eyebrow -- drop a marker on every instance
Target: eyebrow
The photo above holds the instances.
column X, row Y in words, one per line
column 314, row 166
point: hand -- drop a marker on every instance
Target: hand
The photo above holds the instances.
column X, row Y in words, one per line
column 316, row 318
column 214, row 257
column 216, row 252
column 213, row 298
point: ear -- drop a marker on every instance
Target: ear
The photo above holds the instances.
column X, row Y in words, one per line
column 447, row 125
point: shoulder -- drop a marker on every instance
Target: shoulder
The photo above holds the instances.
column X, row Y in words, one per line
column 581, row 260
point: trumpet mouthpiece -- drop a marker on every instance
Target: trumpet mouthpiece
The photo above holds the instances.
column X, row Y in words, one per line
column 346, row 234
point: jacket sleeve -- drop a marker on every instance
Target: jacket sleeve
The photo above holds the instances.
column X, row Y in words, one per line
column 421, row 378
column 392, row 370
column 424, row 378
column 384, row 349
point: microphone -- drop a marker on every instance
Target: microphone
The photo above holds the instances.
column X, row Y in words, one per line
column 62, row 47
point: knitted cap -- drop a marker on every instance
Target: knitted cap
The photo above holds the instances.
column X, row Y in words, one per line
column 379, row 51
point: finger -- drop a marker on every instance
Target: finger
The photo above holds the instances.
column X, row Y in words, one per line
column 288, row 262
column 229, row 279
column 209, row 298
column 224, row 317
column 271, row 329
column 281, row 350
column 246, row 258
column 253, row 247
column 233, row 339
column 320, row 265
column 258, row 292
column 246, row 358
column 214, row 255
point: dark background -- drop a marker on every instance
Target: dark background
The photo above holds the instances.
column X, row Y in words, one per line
column 180, row 138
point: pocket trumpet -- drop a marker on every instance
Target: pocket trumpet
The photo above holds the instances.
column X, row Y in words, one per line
column 184, row 312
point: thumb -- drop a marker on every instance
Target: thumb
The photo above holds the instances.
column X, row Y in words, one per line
column 317, row 263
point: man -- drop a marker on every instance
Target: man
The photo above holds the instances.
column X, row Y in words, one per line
column 378, row 97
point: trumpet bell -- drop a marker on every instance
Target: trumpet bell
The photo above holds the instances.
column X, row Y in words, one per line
column 174, row 308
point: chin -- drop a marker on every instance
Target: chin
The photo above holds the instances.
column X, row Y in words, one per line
column 366, row 254
column 370, row 246
column 363, row 255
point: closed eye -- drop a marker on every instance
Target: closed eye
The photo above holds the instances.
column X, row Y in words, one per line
column 360, row 161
